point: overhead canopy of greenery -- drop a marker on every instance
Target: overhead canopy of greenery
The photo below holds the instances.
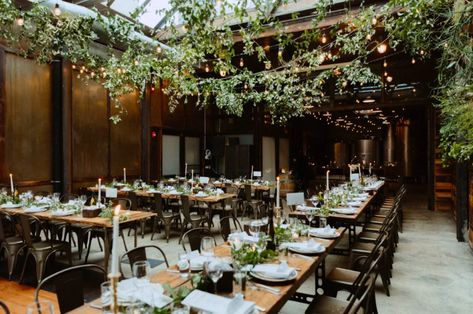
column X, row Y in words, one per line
column 285, row 88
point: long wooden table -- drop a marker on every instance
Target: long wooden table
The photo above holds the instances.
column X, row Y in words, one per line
column 98, row 222
column 271, row 303
column 350, row 221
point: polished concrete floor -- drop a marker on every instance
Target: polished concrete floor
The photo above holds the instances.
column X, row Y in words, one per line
column 433, row 273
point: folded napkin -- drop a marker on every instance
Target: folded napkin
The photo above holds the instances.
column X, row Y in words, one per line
column 324, row 231
column 215, row 304
column 358, row 199
column 217, row 182
column 36, row 209
column 10, row 205
column 354, row 203
column 243, row 237
column 127, row 189
column 277, row 271
column 65, row 212
column 197, row 261
column 144, row 291
column 306, row 246
column 304, row 208
column 344, row 210
column 201, row 194
column 365, row 195
column 219, row 191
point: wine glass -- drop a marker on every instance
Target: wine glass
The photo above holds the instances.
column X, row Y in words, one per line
column 141, row 269
column 40, row 307
column 309, row 214
column 56, row 197
column 254, row 228
column 207, row 246
column 83, row 199
column 214, row 272
column 261, row 244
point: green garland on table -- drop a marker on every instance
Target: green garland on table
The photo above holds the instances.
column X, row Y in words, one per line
column 285, row 88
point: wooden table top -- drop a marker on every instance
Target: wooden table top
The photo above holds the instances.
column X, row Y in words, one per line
column 78, row 219
column 270, row 302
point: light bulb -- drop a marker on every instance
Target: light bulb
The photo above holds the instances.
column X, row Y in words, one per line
column 422, row 52
column 389, row 79
column 382, row 48
column 324, row 39
column 267, row 65
column 368, row 37
column 20, row 21
column 223, row 73
column 385, row 73
column 280, row 51
column 242, row 62
column 57, row 10
column 413, row 61
column 207, row 69
column 374, row 20
column 137, row 62
column 385, row 64
column 158, row 49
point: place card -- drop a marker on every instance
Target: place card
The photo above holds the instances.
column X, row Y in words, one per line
column 212, row 303
column 111, row 193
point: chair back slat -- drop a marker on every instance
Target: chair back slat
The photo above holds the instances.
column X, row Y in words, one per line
column 186, row 207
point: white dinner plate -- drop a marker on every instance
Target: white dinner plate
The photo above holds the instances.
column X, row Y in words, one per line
column 11, row 205
column 307, row 250
column 324, row 235
column 261, row 276
column 63, row 213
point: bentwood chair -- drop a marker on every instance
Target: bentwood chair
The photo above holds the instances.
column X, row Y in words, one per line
column 225, row 228
column 164, row 217
column 41, row 251
column 69, row 285
column 12, row 245
column 140, row 254
column 4, row 307
column 194, row 236
column 249, row 203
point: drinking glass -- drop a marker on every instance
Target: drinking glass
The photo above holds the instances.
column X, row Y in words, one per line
column 214, row 272
column 207, row 246
column 261, row 244
column 183, row 264
column 56, row 197
column 83, row 199
column 240, row 278
column 254, row 228
column 310, row 216
column 40, row 307
column 141, row 270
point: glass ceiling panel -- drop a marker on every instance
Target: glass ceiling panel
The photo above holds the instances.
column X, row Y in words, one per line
column 154, row 12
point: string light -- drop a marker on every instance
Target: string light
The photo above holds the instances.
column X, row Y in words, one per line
column 242, row 62
column 207, row 69
column 385, row 64
column 20, row 20
column 382, row 48
column 389, row 79
column 223, row 73
column 413, row 61
column 267, row 65
column 158, row 49
column 374, row 21
column 57, row 10
column 137, row 62
column 280, row 51
column 324, row 39
column 385, row 73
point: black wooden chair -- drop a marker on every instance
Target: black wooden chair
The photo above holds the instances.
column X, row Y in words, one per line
column 194, row 236
column 195, row 220
column 69, row 285
column 140, row 254
column 41, row 251
column 4, row 307
column 225, row 228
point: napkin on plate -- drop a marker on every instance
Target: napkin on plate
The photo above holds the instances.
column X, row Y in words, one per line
column 304, row 208
column 243, row 236
column 215, row 304
column 219, row 191
column 344, row 210
column 277, row 271
column 143, row 290
column 324, row 231
column 354, row 203
column 306, row 246
column 36, row 209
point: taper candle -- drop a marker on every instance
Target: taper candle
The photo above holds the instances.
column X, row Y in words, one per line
column 124, row 175
column 11, row 184
column 116, row 223
column 277, row 191
column 328, row 175
column 100, row 192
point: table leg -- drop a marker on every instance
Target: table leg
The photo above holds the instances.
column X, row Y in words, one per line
column 136, row 236
column 320, row 278
column 351, row 234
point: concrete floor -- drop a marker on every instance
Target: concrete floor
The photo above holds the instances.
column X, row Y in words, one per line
column 433, row 273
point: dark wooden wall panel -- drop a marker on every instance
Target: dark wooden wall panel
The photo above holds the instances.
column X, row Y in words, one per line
column 89, row 129
column 125, row 139
column 156, row 108
column 28, row 119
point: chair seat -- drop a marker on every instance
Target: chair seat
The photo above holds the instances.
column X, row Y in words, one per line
column 197, row 217
column 367, row 235
column 361, row 247
column 13, row 240
column 325, row 304
column 343, row 276
column 170, row 215
column 47, row 245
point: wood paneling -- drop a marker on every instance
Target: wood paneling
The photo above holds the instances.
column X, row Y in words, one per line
column 89, row 129
column 125, row 139
column 28, row 117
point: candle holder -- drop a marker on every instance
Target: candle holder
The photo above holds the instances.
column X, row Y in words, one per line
column 114, row 285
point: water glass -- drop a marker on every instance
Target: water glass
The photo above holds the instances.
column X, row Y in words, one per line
column 183, row 264
column 56, row 197
column 240, row 278
column 141, row 269
column 254, row 228
column 261, row 244
column 207, row 245
column 40, row 307
column 83, row 199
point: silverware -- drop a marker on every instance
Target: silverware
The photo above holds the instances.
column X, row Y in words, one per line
column 268, row 288
column 95, row 306
column 172, row 271
column 260, row 309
